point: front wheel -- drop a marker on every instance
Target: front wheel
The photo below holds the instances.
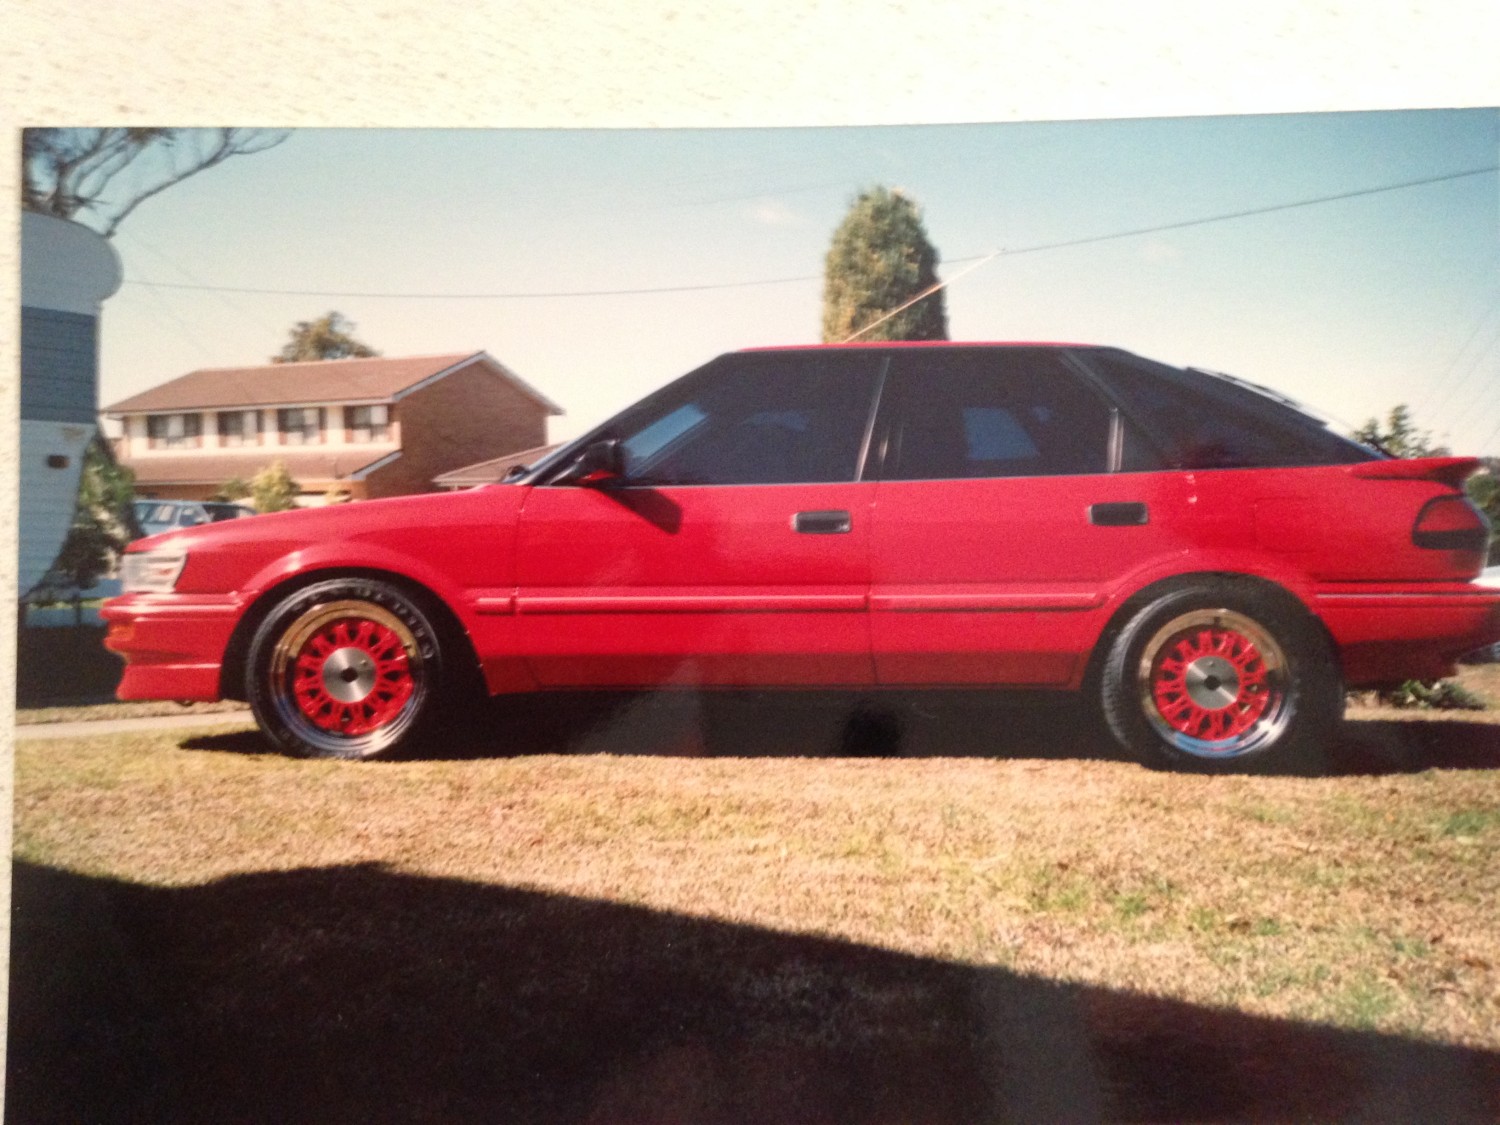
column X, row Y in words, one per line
column 1215, row 677
column 346, row 668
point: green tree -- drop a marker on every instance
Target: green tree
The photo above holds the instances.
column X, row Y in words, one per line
column 879, row 260
column 101, row 175
column 273, row 488
column 232, row 489
column 103, row 519
column 1484, row 490
column 328, row 337
column 1400, row 438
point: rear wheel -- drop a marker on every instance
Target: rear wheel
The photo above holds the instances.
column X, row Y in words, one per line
column 347, row 668
column 1222, row 677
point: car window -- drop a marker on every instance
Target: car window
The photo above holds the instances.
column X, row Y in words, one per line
column 769, row 418
column 964, row 413
column 1208, row 423
column 647, row 444
column 190, row 517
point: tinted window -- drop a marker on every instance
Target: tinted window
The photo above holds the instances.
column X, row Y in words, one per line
column 992, row 413
column 1203, row 422
column 772, row 418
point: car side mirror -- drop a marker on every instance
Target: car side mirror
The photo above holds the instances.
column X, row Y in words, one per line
column 598, row 464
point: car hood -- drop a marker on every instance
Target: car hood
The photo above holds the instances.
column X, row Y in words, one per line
column 339, row 521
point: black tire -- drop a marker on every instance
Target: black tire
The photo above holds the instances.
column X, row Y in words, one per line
column 1223, row 677
column 346, row 668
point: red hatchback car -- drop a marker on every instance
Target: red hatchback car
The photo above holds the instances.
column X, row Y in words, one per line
column 1210, row 566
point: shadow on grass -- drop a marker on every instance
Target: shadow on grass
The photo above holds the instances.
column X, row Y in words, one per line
column 359, row 994
column 67, row 665
column 941, row 724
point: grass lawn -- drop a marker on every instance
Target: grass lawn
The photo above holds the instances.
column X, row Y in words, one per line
column 586, row 912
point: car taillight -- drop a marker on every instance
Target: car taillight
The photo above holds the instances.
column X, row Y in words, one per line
column 1451, row 523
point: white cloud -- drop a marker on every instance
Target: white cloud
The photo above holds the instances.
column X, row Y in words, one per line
column 774, row 213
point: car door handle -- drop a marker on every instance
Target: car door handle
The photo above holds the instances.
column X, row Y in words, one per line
column 821, row 523
column 1119, row 515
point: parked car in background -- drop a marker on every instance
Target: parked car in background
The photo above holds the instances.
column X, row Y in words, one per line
column 156, row 516
column 1206, row 565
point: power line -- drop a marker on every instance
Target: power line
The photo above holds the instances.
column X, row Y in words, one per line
column 1454, row 365
column 1475, row 366
column 1084, row 241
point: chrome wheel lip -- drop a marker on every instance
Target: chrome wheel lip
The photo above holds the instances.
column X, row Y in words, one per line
column 1273, row 720
column 282, row 667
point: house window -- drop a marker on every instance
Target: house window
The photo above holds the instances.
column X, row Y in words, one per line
column 239, row 427
column 173, row 431
column 300, row 425
column 368, row 423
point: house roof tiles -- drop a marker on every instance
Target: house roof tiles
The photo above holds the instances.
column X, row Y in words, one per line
column 287, row 384
column 217, row 467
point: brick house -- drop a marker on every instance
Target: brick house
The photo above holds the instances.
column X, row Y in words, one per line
column 376, row 427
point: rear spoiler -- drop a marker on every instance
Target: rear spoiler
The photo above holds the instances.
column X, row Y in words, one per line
column 1445, row 470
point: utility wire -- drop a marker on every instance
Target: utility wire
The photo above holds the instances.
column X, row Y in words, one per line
column 1084, row 241
column 1441, row 383
column 929, row 291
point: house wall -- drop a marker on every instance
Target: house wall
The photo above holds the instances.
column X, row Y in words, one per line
column 58, row 379
column 472, row 415
column 66, row 273
column 59, row 369
column 135, row 443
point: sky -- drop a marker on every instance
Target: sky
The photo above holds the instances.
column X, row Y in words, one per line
column 528, row 243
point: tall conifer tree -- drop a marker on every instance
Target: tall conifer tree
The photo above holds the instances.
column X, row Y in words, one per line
column 880, row 259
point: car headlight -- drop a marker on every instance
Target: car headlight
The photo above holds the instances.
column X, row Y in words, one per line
column 151, row 572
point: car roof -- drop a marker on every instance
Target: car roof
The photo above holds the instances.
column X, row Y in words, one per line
column 858, row 344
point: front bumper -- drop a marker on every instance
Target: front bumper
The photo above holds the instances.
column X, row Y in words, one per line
column 1390, row 632
column 173, row 644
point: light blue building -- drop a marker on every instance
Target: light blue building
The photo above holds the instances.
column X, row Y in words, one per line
column 66, row 273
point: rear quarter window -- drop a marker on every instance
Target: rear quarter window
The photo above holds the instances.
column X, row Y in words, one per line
column 1202, row 422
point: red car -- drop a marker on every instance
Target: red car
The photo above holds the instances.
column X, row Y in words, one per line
column 1210, row 566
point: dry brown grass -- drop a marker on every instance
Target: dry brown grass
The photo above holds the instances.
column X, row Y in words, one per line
column 609, row 911
column 1363, row 901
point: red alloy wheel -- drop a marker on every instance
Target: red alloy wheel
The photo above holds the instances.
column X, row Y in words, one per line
column 346, row 672
column 352, row 676
column 1213, row 682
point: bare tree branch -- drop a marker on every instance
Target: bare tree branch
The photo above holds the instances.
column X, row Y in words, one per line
column 102, row 171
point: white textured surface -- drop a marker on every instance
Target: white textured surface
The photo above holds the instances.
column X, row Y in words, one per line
column 664, row 62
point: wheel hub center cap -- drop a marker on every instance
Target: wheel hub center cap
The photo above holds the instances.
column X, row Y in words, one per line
column 1212, row 682
column 348, row 674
